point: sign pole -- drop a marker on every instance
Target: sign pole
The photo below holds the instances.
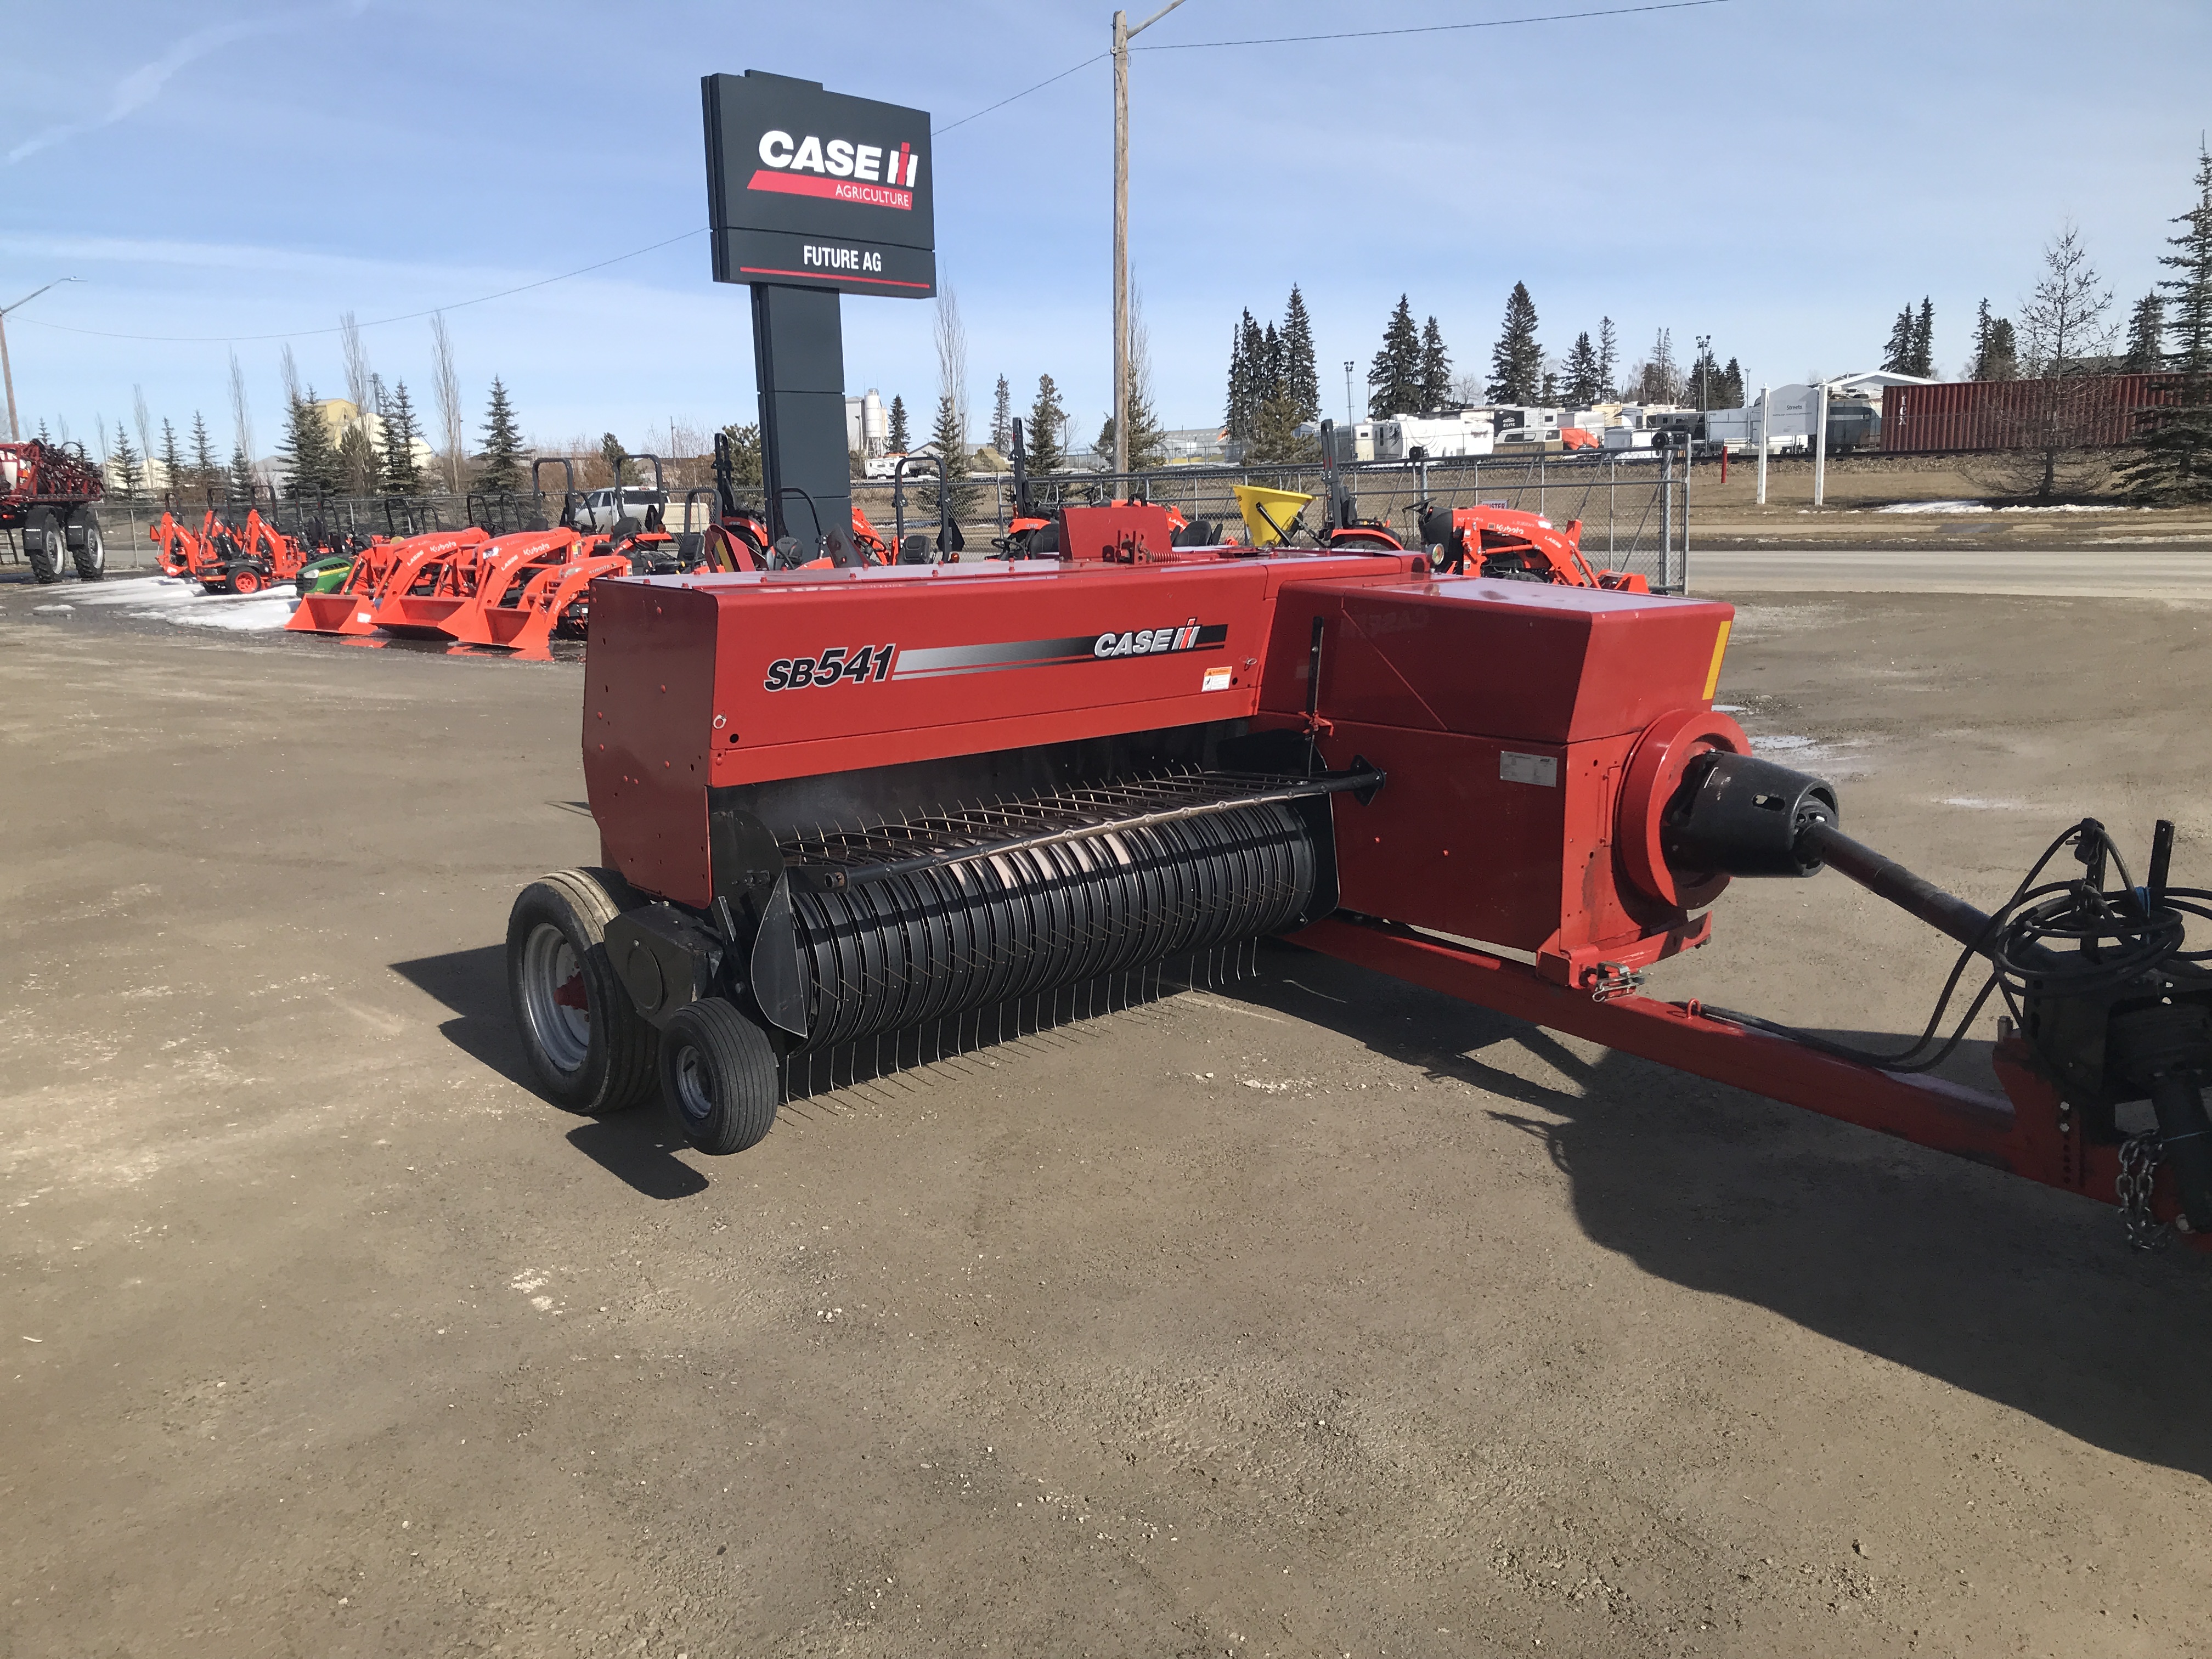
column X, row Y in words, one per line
column 811, row 195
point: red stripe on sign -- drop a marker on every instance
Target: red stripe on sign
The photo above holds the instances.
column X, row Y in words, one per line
column 827, row 277
column 838, row 190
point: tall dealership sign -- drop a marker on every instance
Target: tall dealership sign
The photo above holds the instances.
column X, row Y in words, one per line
column 811, row 194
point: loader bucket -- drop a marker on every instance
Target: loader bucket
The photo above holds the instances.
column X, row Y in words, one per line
column 332, row 613
column 1268, row 513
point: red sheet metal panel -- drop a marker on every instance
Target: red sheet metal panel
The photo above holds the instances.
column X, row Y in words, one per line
column 1985, row 414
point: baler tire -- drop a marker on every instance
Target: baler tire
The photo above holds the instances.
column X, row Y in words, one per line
column 42, row 545
column 614, row 1070
column 718, row 1074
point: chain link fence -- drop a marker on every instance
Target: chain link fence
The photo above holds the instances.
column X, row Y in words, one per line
column 1635, row 515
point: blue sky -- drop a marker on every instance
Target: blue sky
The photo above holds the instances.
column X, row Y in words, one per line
column 1782, row 174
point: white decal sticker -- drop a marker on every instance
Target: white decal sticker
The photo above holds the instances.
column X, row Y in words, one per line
column 1529, row 769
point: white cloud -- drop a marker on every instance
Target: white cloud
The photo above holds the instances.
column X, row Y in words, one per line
column 144, row 84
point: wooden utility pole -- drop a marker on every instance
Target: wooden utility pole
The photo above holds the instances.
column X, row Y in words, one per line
column 7, row 369
column 1122, row 34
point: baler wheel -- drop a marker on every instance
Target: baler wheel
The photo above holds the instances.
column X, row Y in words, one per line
column 718, row 1075
column 588, row 1047
column 42, row 545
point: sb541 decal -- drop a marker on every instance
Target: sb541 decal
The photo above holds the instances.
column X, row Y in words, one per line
column 840, row 664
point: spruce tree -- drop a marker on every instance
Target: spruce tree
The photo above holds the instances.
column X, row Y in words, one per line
column 1731, row 395
column 500, row 464
column 1584, row 377
column 901, row 440
column 745, row 467
column 307, row 453
column 1896, row 357
column 1516, row 362
column 1301, row 371
column 239, row 483
column 1002, row 418
column 359, row 474
column 1996, row 356
column 1703, row 381
column 403, row 474
column 1237, row 405
column 1148, row 444
column 2146, row 335
column 1436, row 368
column 2176, row 461
column 1275, row 439
column 206, row 469
column 1608, row 361
column 949, row 436
column 124, row 460
column 1393, row 380
column 1047, row 416
column 1248, row 378
column 173, row 459
column 1924, row 341
column 1270, row 377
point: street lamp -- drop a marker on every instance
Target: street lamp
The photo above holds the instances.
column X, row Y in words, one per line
column 1122, row 33
column 1350, row 419
column 1704, row 356
column 7, row 373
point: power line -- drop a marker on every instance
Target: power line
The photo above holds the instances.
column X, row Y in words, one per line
column 408, row 317
column 1174, row 46
column 1431, row 29
column 1023, row 92
column 1355, row 34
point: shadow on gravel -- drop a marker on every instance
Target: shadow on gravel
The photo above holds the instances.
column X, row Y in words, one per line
column 638, row 1147
column 2024, row 1296
column 473, row 984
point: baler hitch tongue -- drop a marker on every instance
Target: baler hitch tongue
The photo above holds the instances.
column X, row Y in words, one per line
column 2095, row 974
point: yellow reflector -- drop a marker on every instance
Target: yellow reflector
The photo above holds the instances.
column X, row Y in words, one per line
column 1720, row 650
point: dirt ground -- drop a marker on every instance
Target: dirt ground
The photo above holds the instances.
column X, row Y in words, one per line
column 1312, row 1316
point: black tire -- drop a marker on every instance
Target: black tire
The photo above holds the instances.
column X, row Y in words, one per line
column 718, row 1074
column 87, row 545
column 42, row 544
column 246, row 578
column 602, row 1061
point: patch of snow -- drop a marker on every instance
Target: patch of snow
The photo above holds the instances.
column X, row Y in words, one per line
column 1935, row 506
column 249, row 615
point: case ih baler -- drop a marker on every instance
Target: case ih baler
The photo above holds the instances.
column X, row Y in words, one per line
column 853, row 818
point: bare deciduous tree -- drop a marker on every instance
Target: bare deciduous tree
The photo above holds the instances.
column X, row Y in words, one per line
column 241, row 413
column 2065, row 335
column 446, row 385
column 145, row 425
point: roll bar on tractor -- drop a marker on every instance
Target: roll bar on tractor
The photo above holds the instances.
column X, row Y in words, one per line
column 654, row 517
column 949, row 538
column 570, row 499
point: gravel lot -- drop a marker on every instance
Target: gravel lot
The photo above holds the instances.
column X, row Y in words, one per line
column 1309, row 1316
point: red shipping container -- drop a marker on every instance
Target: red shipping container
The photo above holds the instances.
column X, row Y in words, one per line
column 1981, row 414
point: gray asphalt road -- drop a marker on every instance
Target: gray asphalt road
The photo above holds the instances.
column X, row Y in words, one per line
column 2101, row 573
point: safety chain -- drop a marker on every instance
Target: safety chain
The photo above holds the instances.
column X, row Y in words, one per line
column 2139, row 1161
